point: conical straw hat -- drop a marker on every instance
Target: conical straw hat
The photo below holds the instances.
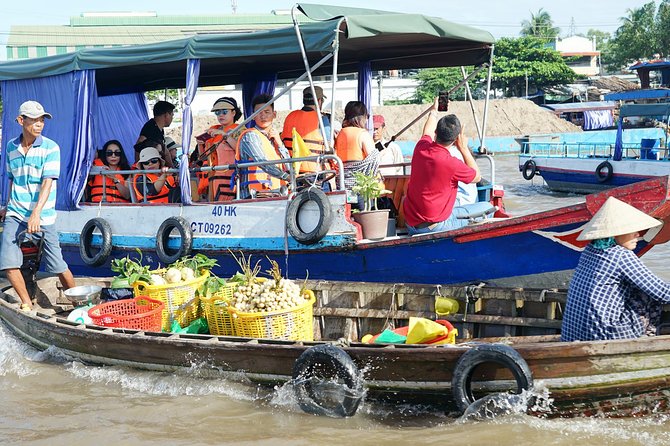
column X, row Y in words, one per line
column 616, row 218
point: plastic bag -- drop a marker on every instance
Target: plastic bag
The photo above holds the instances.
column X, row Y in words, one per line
column 423, row 330
column 198, row 326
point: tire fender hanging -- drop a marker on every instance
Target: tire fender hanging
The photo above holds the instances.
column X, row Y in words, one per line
column 604, row 172
column 327, row 362
column 461, row 382
column 529, row 170
column 86, row 251
column 165, row 254
column 325, row 216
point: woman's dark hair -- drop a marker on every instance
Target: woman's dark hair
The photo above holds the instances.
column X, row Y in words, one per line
column 355, row 114
column 123, row 162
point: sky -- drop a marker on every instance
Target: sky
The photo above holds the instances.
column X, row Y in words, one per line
column 502, row 18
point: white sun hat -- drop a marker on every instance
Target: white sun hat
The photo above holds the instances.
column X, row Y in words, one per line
column 616, row 218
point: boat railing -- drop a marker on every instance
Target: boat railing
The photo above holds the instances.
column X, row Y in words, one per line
column 590, row 150
column 326, row 160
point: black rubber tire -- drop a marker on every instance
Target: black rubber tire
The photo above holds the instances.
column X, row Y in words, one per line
column 86, row 252
column 604, row 177
column 529, row 170
column 327, row 362
column 461, row 381
column 166, row 255
column 325, row 216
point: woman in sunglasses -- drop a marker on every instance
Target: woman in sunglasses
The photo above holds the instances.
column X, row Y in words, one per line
column 217, row 184
column 157, row 187
column 111, row 157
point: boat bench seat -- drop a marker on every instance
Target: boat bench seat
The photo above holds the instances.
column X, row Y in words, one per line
column 474, row 211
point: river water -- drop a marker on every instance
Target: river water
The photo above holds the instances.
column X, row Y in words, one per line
column 46, row 399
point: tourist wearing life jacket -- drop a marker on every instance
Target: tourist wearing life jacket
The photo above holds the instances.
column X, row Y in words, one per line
column 355, row 147
column 259, row 143
column 220, row 152
column 306, row 123
column 158, row 187
column 111, row 157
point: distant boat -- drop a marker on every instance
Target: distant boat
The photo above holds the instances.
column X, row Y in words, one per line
column 591, row 167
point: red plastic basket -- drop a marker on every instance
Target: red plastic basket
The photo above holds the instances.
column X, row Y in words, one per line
column 139, row 313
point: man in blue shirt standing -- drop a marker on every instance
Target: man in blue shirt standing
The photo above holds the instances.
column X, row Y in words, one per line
column 33, row 166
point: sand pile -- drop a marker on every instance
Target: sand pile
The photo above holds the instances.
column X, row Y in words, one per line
column 507, row 117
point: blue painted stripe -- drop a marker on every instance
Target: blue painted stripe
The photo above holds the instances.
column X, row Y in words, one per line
column 204, row 244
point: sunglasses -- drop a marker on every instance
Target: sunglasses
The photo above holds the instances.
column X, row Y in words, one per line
column 152, row 161
column 222, row 112
column 113, row 153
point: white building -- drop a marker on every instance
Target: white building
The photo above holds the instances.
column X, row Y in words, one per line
column 581, row 51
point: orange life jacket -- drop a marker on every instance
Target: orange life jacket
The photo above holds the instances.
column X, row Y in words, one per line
column 161, row 197
column 112, row 194
column 219, row 187
column 348, row 144
column 256, row 178
column 306, row 123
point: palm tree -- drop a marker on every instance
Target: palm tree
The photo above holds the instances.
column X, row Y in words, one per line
column 540, row 25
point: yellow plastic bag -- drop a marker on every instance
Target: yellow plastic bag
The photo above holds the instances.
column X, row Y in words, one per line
column 423, row 330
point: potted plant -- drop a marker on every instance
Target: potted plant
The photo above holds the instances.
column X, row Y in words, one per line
column 373, row 221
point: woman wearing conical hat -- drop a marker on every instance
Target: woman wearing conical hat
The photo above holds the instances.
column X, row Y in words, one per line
column 612, row 295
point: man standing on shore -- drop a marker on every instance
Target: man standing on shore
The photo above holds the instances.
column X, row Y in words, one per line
column 33, row 167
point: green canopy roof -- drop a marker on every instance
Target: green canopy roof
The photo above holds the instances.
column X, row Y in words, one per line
column 388, row 40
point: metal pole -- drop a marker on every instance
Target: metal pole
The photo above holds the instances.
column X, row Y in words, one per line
column 468, row 94
column 309, row 76
column 482, row 145
column 336, row 53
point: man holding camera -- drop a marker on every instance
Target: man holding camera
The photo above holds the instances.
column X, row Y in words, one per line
column 433, row 184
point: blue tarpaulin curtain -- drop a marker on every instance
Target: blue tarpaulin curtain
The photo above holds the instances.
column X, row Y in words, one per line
column 120, row 117
column 263, row 83
column 59, row 96
column 597, row 119
column 618, row 144
column 81, row 124
column 192, row 75
column 365, row 87
column 83, row 153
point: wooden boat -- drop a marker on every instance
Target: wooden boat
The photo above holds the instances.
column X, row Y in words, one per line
column 587, row 167
column 517, row 347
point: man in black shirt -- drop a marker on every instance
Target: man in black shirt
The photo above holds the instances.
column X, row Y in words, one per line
column 153, row 130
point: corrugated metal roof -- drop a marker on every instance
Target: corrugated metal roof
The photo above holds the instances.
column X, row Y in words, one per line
column 125, row 29
column 24, row 35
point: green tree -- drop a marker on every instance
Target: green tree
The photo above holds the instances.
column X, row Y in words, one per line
column 540, row 25
column 642, row 34
column 434, row 80
column 516, row 59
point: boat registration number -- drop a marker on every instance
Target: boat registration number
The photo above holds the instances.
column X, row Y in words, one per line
column 204, row 227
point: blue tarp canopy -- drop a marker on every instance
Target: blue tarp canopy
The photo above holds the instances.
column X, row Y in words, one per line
column 632, row 95
column 645, row 110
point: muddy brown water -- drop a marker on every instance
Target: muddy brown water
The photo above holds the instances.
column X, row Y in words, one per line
column 47, row 399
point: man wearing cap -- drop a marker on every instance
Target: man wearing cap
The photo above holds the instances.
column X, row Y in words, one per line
column 153, row 129
column 33, row 166
column 612, row 295
column 390, row 151
column 306, row 123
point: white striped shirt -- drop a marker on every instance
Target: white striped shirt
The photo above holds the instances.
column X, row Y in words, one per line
column 27, row 173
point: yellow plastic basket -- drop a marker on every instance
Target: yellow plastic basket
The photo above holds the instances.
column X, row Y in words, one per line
column 180, row 299
column 295, row 324
column 215, row 309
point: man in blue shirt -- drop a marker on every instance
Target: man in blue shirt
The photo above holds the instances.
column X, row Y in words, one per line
column 33, row 167
column 612, row 295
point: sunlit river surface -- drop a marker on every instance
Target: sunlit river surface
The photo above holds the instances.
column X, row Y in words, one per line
column 46, row 399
